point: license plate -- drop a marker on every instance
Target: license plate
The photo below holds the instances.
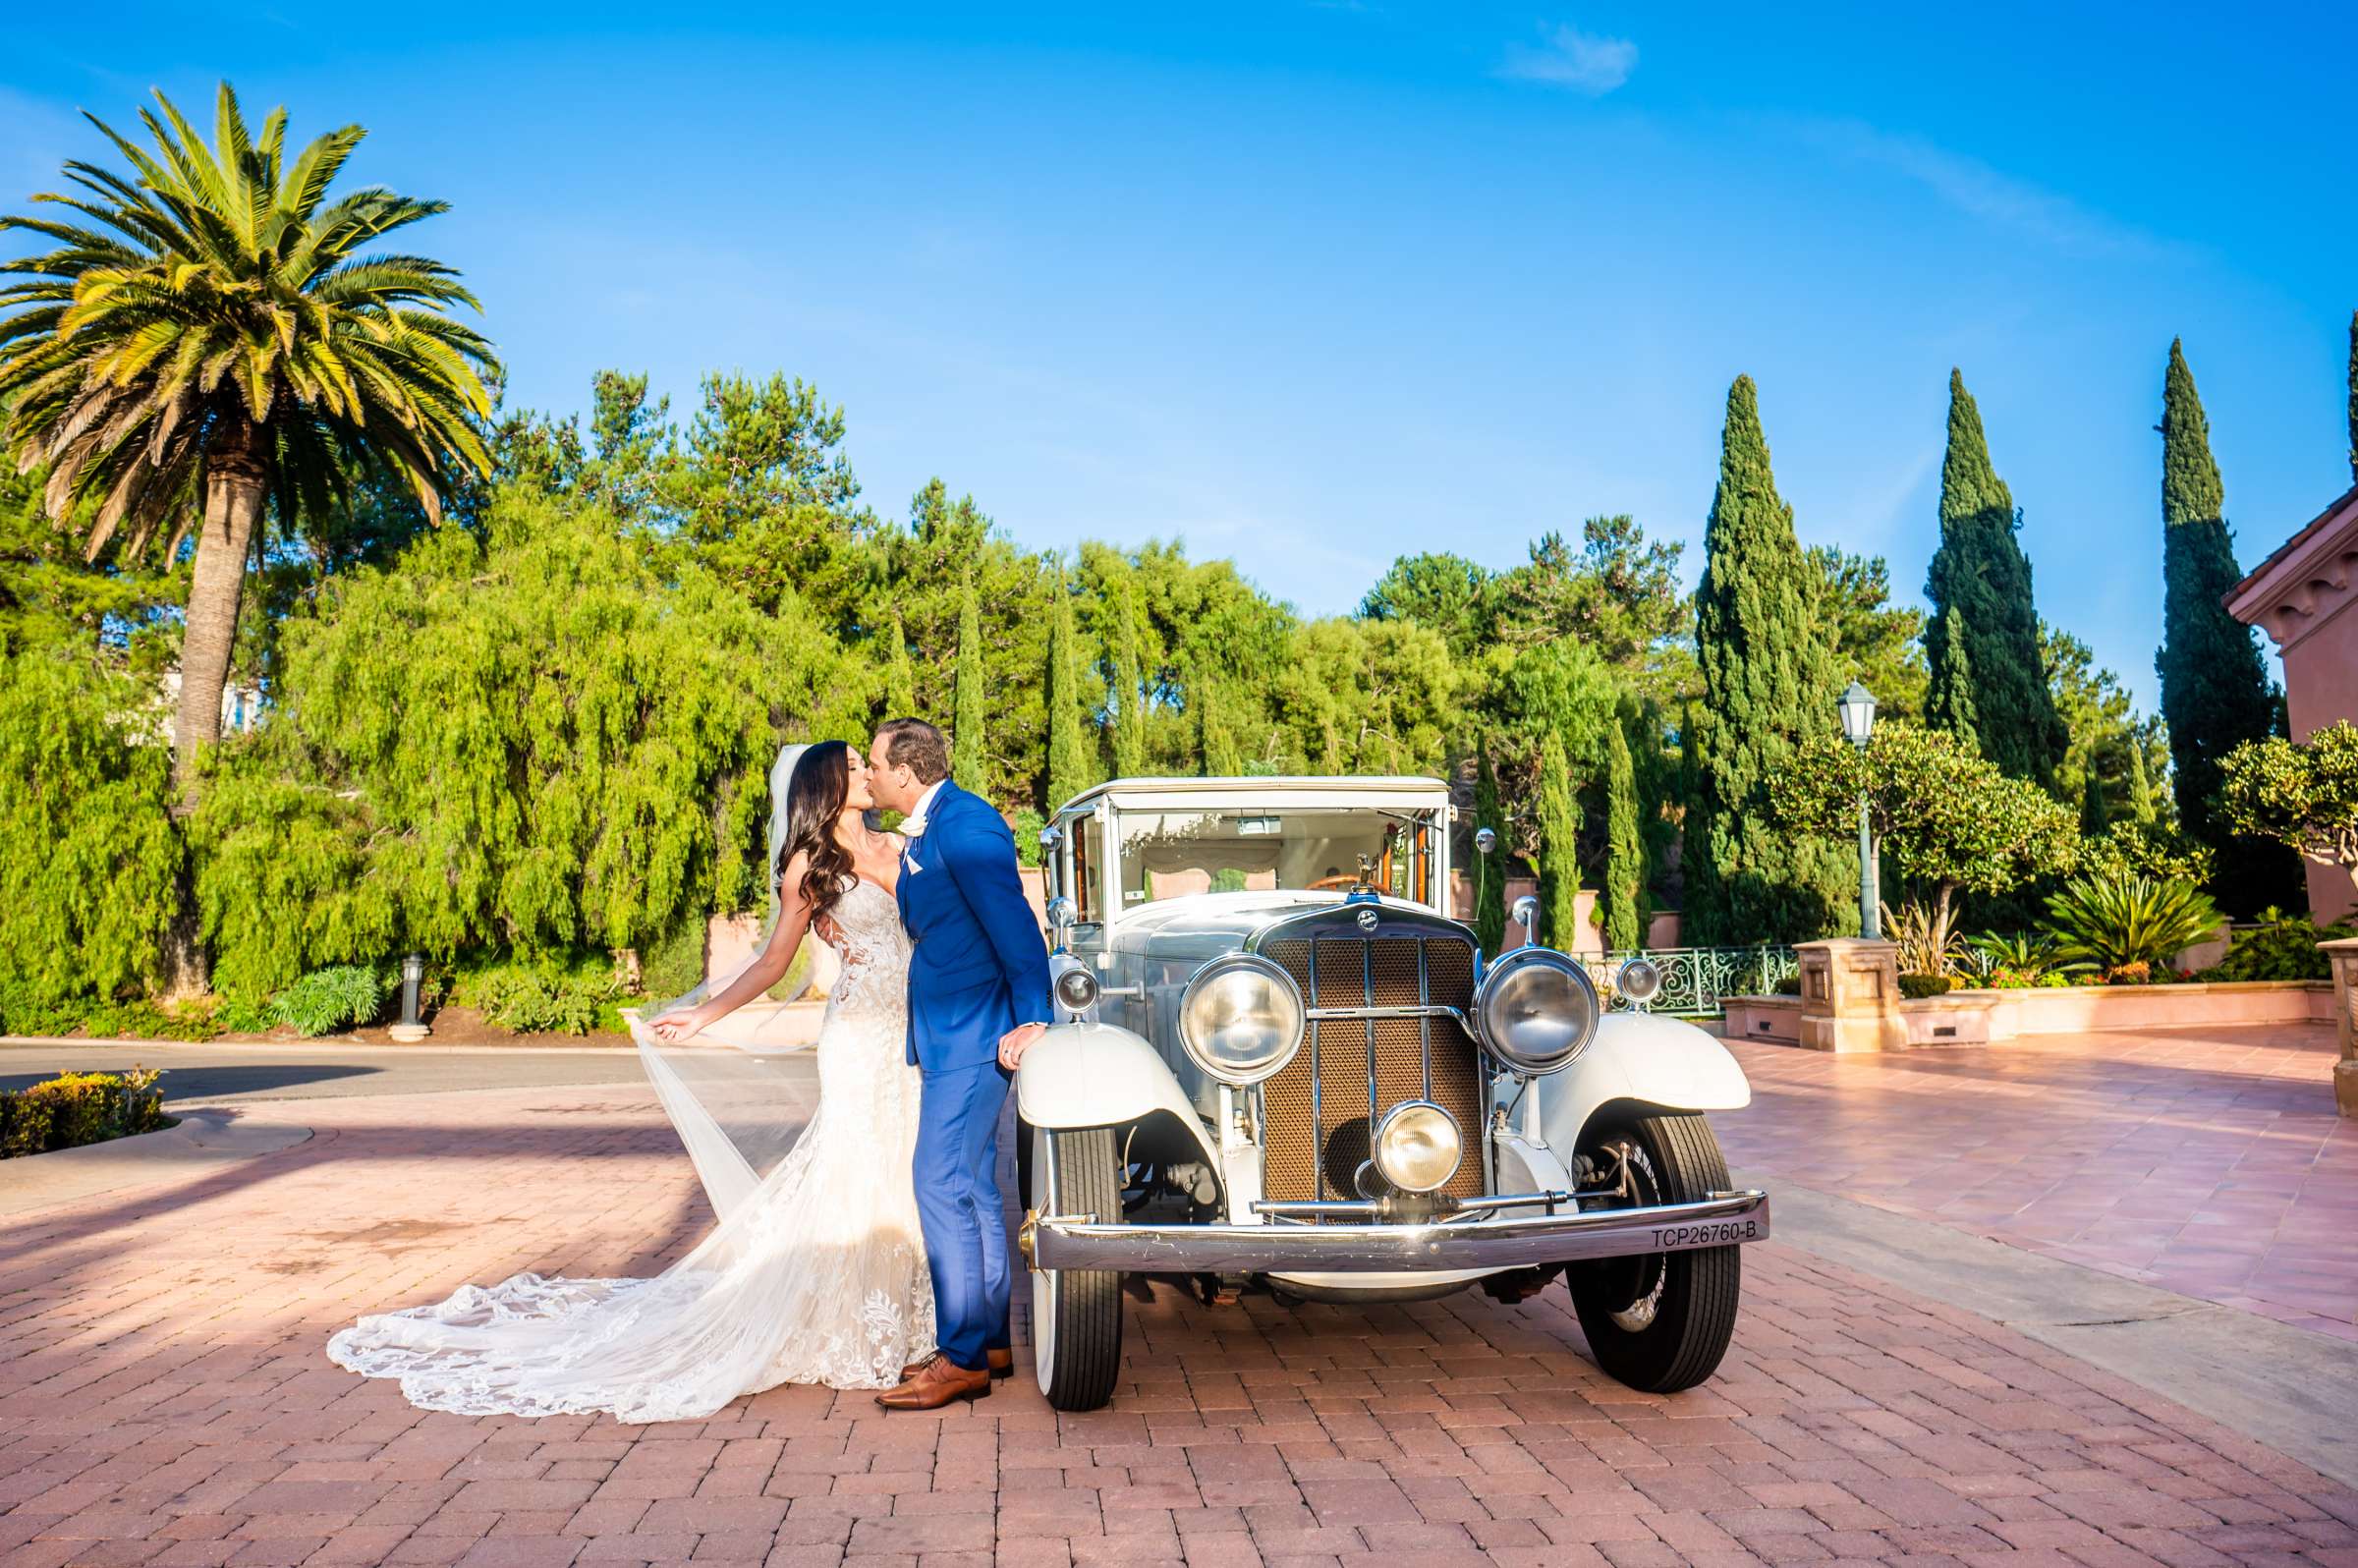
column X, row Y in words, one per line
column 1709, row 1233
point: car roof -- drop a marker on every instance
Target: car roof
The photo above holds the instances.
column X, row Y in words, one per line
column 1297, row 789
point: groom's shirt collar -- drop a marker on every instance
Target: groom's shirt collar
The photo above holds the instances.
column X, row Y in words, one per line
column 913, row 824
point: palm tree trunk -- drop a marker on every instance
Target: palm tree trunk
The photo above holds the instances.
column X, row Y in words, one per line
column 232, row 507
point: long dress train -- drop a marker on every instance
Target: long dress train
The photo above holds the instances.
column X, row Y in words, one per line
column 817, row 1276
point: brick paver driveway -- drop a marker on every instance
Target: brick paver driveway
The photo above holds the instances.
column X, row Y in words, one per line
column 163, row 1399
column 2209, row 1163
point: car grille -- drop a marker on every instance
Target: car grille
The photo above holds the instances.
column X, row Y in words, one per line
column 1318, row 1112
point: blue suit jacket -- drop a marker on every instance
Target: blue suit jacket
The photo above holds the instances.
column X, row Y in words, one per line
column 980, row 966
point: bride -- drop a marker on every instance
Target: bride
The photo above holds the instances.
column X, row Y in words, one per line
column 815, row 1272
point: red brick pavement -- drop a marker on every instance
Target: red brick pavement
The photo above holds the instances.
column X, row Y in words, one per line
column 164, row 1400
column 2206, row 1161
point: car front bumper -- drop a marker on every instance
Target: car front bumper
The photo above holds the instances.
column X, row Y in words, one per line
column 1079, row 1241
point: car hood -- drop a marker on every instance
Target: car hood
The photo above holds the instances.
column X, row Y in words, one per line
column 1209, row 924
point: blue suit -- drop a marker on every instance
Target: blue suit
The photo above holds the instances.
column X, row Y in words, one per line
column 979, row 969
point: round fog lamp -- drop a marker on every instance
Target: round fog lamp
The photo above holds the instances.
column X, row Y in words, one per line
column 1416, row 1145
column 1640, row 981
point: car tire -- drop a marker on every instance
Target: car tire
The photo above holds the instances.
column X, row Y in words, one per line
column 1660, row 1321
column 1076, row 1313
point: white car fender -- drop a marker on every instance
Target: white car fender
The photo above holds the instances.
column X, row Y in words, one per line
column 1637, row 1056
column 1096, row 1075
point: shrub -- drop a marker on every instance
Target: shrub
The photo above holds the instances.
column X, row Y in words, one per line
column 2120, row 924
column 144, row 1020
column 1789, row 986
column 328, row 999
column 542, row 995
column 77, row 1108
column 1915, row 988
column 26, row 1010
column 1927, row 943
column 2019, row 960
column 2282, row 947
column 236, row 1016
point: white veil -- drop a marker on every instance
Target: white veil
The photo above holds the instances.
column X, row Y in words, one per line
column 741, row 1091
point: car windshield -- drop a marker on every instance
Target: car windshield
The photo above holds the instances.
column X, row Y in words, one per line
column 1177, row 853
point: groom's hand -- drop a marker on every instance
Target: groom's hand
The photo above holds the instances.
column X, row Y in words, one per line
column 1018, row 1041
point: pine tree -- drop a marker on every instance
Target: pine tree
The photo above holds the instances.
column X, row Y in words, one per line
column 1071, row 754
column 967, row 764
column 2140, row 788
column 1490, row 871
column 1983, row 620
column 1768, row 680
column 1624, row 849
column 1559, row 848
column 2214, row 691
column 1128, row 699
column 1949, row 702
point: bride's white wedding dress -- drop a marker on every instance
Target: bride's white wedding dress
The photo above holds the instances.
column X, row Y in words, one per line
column 815, row 1276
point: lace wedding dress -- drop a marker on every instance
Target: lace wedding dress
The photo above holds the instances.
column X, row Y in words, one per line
column 815, row 1275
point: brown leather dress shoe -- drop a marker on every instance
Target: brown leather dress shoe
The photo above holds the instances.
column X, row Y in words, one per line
column 1001, row 1362
column 941, row 1382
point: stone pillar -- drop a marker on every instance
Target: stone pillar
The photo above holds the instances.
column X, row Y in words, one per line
column 1850, row 995
column 2343, row 955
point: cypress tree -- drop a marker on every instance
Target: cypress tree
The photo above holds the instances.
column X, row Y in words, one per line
column 1624, row 850
column 1948, row 696
column 1215, row 741
column 1129, row 694
column 965, row 730
column 1983, row 619
column 2214, row 691
column 1559, row 847
column 2094, row 817
column 2140, row 788
column 900, row 676
column 1767, row 679
column 1490, row 871
column 1072, row 758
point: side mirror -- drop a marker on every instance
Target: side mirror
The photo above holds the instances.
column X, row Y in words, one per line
column 1051, row 837
column 1527, row 915
column 1061, row 915
column 1486, row 841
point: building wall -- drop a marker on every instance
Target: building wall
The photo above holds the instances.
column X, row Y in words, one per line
column 2305, row 596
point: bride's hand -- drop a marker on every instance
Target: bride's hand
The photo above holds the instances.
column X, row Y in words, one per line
column 672, row 1028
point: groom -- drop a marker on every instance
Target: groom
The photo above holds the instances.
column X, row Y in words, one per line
column 978, row 995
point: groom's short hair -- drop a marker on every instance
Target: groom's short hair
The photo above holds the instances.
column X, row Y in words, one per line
column 919, row 747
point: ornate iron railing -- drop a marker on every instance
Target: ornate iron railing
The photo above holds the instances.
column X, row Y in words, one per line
column 1697, row 980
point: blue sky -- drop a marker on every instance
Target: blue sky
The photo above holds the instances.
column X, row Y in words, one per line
column 1314, row 285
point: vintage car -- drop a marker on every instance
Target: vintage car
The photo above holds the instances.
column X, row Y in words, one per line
column 1279, row 1061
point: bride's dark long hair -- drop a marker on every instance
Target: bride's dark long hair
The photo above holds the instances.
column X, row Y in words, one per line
column 815, row 800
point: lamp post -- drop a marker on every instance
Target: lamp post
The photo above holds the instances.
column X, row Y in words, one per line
column 410, row 1028
column 1857, row 707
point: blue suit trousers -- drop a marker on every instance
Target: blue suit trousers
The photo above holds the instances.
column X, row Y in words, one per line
column 958, row 1203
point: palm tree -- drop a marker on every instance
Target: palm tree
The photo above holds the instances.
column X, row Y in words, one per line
column 210, row 340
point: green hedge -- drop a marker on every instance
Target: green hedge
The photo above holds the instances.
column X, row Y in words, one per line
column 77, row 1108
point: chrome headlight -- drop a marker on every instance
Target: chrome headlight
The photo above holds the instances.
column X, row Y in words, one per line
column 1537, row 1009
column 1418, row 1145
column 1640, row 981
column 1241, row 1017
column 1077, row 989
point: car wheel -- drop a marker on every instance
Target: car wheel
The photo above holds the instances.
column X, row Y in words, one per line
column 1076, row 1313
column 1659, row 1322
